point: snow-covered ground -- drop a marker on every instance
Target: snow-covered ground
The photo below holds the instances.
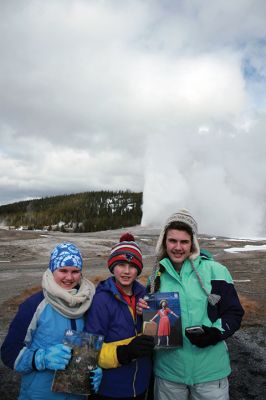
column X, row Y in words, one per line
column 246, row 248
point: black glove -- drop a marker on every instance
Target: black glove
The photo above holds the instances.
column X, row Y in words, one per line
column 140, row 346
column 211, row 336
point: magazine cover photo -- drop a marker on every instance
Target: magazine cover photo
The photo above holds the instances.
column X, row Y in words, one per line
column 163, row 319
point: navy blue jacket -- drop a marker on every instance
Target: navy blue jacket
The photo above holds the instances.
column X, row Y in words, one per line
column 110, row 315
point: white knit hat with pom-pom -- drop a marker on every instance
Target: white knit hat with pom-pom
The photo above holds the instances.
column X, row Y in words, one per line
column 184, row 216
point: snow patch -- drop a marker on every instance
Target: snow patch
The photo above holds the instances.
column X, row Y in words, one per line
column 246, row 248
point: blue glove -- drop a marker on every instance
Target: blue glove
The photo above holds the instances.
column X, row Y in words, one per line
column 55, row 357
column 95, row 379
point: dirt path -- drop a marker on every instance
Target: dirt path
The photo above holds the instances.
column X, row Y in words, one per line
column 24, row 256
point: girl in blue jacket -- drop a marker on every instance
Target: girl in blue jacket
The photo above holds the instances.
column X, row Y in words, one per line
column 33, row 345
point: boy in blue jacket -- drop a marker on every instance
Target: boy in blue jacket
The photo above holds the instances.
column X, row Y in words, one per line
column 125, row 357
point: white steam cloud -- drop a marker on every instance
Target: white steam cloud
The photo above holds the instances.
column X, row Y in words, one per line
column 207, row 153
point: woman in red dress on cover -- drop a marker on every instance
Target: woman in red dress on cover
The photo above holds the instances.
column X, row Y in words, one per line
column 164, row 327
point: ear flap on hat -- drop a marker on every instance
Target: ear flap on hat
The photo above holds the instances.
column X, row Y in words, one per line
column 196, row 248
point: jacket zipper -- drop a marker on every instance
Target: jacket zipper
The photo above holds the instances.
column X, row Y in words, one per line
column 136, row 368
column 134, row 379
column 134, row 318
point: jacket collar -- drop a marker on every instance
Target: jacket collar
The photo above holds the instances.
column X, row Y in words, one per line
column 186, row 267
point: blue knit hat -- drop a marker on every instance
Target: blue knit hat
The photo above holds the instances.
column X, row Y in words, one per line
column 65, row 255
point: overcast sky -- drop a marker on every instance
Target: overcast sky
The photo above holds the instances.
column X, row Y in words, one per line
column 160, row 96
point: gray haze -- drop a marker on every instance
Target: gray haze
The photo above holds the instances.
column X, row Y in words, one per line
column 162, row 97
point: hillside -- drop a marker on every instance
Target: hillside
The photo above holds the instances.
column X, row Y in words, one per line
column 81, row 212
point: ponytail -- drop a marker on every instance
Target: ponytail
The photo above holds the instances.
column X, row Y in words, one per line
column 155, row 280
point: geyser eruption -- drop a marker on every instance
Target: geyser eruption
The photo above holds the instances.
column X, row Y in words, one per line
column 206, row 154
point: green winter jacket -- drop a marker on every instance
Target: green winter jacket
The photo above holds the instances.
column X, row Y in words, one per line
column 191, row 364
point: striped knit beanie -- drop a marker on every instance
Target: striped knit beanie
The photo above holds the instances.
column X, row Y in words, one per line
column 65, row 255
column 126, row 250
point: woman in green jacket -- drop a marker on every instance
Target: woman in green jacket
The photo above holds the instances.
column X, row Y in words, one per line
column 199, row 369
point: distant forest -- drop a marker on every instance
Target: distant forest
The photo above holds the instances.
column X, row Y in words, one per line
column 81, row 212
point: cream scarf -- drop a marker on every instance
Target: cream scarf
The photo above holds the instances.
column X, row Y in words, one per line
column 70, row 303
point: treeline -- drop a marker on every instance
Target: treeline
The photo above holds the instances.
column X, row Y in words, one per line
column 81, row 212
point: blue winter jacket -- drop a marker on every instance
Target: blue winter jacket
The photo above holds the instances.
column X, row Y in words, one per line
column 36, row 325
column 111, row 316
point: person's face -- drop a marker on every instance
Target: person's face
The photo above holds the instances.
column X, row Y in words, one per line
column 164, row 304
column 125, row 274
column 178, row 246
column 67, row 277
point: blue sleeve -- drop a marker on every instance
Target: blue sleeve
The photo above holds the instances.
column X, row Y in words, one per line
column 228, row 309
column 98, row 317
column 14, row 342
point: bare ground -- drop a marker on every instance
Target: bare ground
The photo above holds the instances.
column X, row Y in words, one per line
column 24, row 256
